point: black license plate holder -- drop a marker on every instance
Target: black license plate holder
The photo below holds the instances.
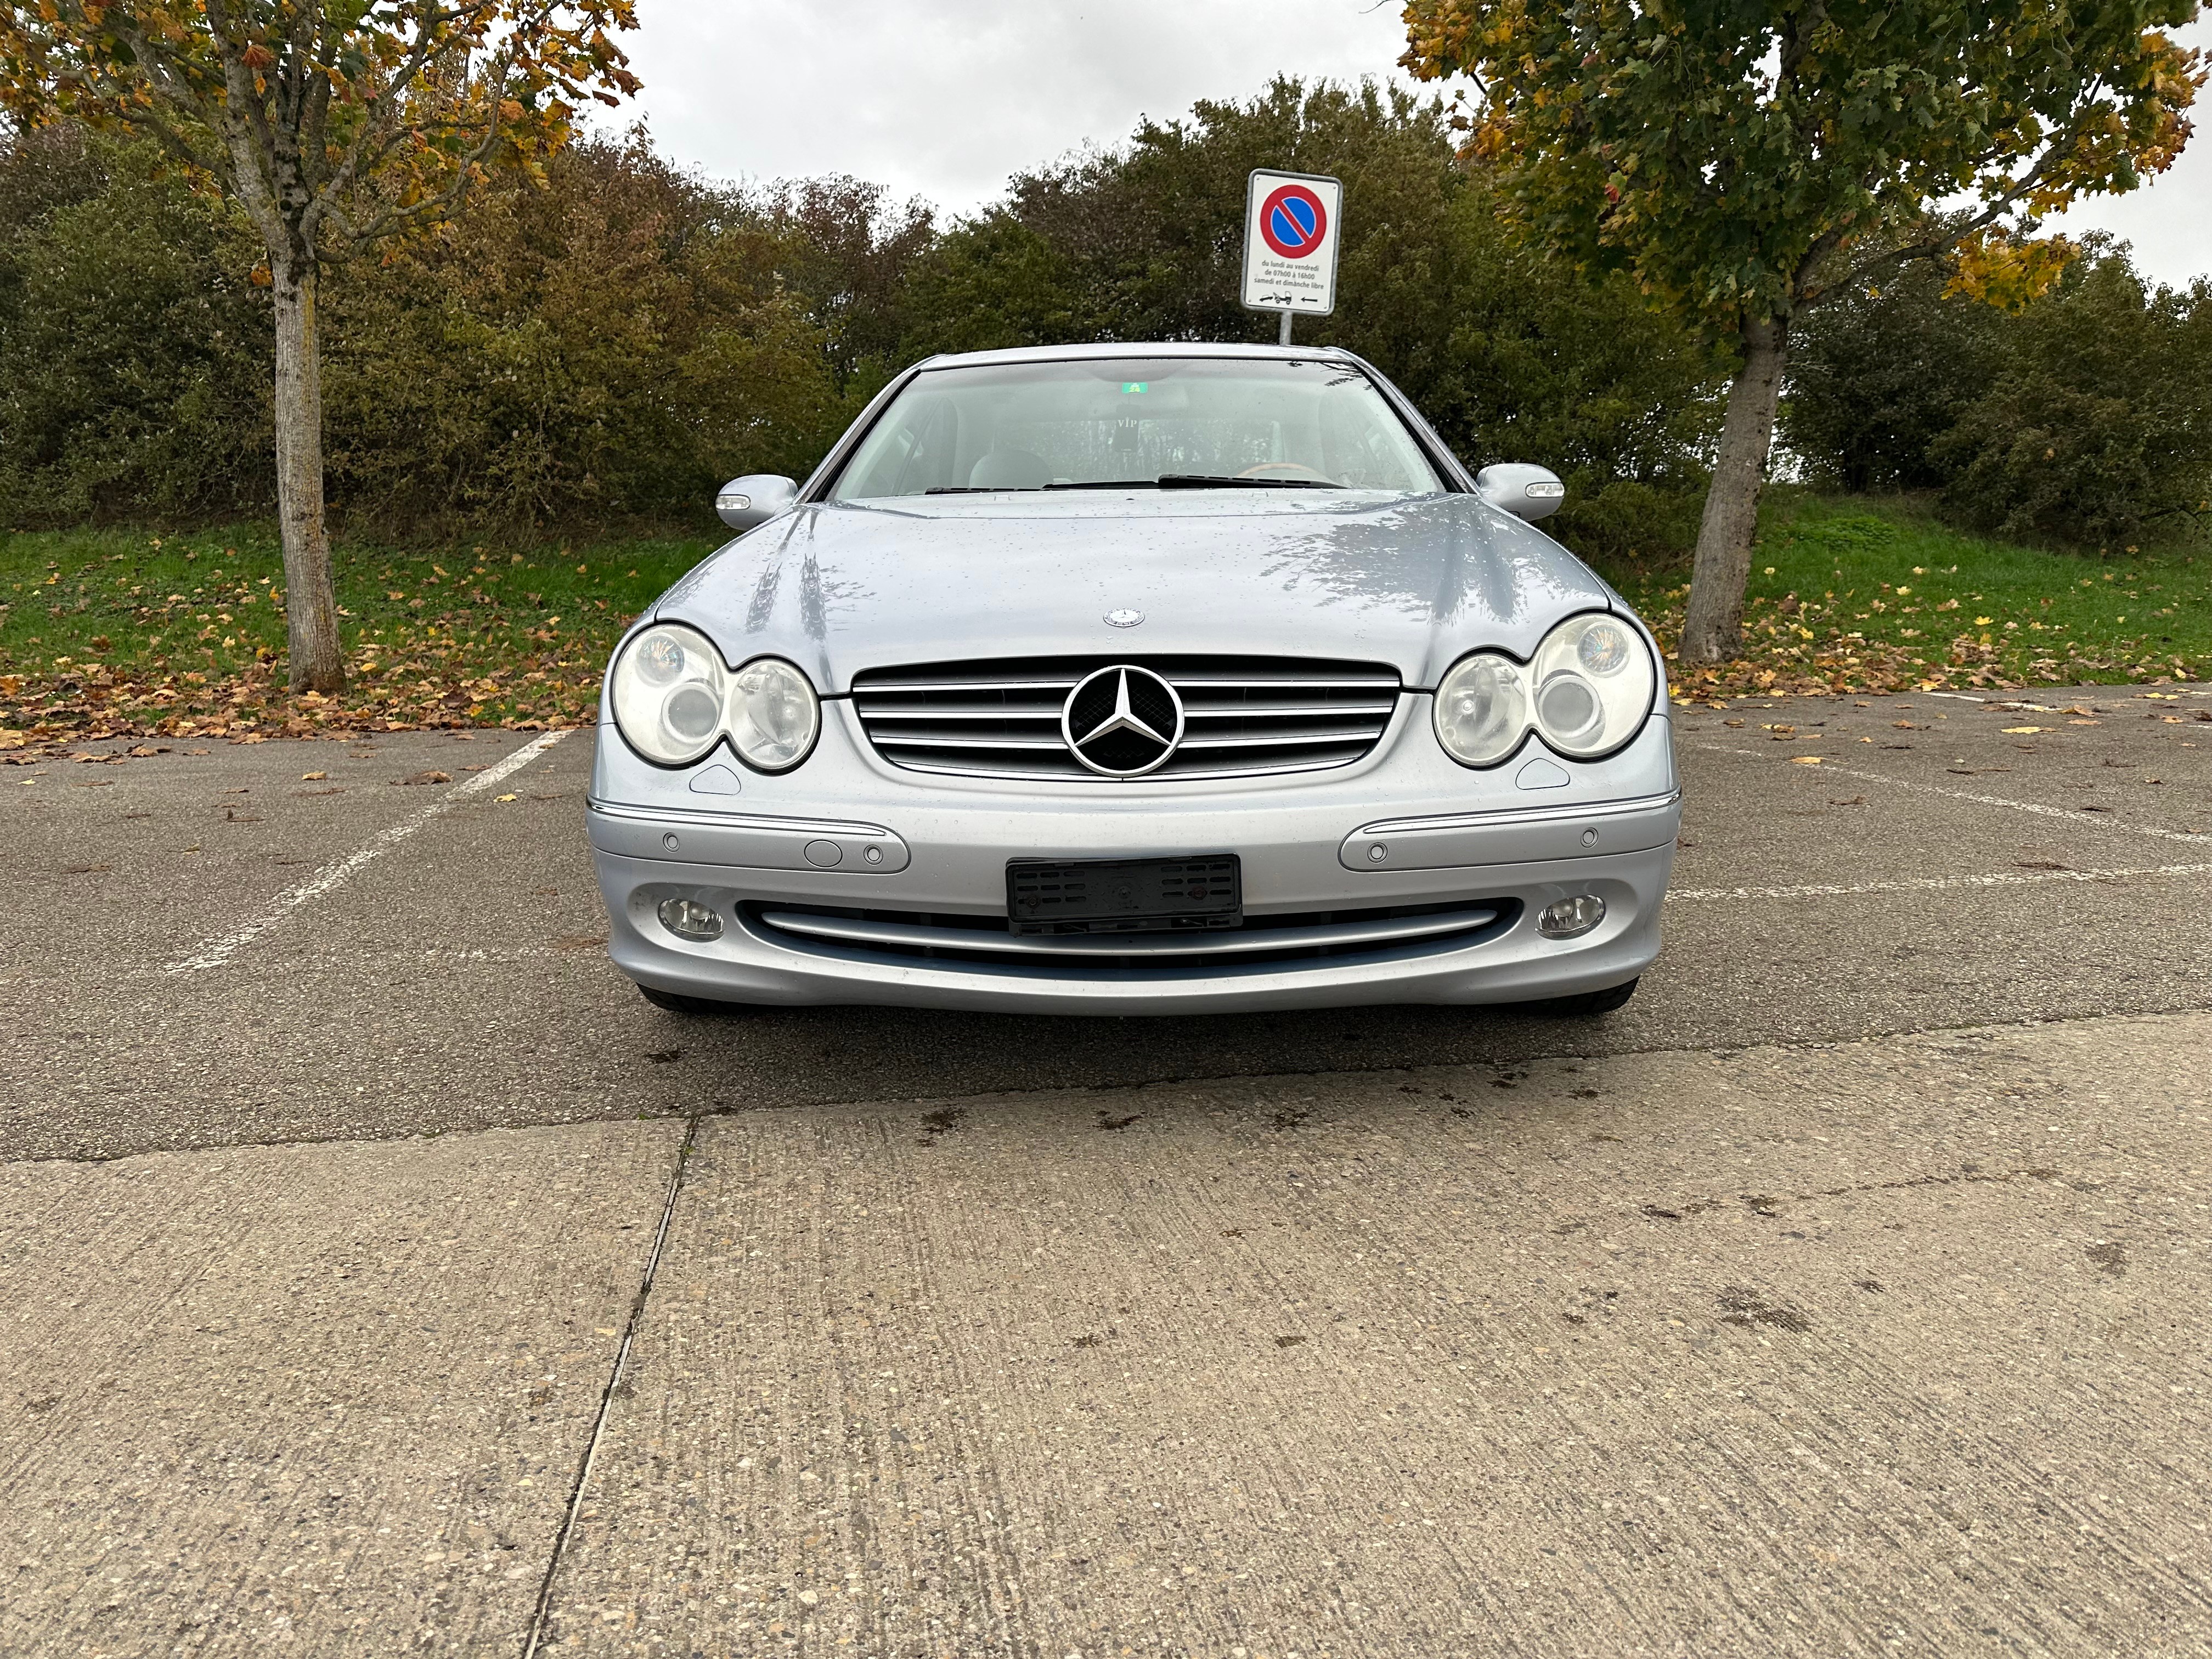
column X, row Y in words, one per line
column 1200, row 891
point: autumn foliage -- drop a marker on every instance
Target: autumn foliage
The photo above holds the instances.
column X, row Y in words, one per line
column 1744, row 162
column 332, row 125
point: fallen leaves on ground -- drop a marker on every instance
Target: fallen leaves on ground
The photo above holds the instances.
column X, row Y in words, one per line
column 79, row 702
column 1785, row 656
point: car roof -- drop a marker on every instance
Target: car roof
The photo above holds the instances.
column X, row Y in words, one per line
column 1092, row 350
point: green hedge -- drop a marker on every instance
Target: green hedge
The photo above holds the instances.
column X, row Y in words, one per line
column 603, row 349
column 2083, row 420
column 600, row 351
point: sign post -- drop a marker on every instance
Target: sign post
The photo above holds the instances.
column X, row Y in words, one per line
column 1291, row 226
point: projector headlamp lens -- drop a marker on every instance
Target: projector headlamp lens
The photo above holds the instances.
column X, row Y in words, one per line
column 1586, row 690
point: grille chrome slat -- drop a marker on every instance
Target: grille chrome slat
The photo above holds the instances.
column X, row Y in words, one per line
column 1229, row 711
column 1196, row 772
column 1294, row 682
column 1271, row 741
column 888, row 683
column 1243, row 716
column 1055, row 747
column 931, row 712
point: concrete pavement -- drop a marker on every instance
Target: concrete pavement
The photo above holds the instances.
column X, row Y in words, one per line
column 1890, row 1347
column 322, row 1398
column 1836, row 1296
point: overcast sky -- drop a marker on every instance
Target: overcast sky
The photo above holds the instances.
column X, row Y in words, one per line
column 945, row 99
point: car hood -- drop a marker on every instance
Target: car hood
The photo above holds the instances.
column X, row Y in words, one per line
column 1413, row 581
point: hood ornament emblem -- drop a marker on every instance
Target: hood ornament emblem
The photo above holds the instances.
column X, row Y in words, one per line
column 1124, row 619
column 1122, row 721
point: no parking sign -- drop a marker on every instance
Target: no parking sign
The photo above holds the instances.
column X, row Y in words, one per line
column 1290, row 243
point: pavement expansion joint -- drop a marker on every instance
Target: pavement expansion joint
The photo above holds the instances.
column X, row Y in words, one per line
column 544, row 1602
column 607, row 1397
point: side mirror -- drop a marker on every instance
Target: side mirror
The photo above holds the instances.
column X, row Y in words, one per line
column 754, row 499
column 1526, row 492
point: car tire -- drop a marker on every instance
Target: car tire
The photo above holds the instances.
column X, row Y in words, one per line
column 1588, row 1004
column 677, row 1003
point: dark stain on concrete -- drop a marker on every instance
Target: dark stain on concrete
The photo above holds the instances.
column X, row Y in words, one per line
column 1748, row 1310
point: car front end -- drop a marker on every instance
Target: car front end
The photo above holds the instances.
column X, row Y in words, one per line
column 1137, row 746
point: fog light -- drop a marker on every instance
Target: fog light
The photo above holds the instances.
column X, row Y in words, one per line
column 1569, row 918
column 689, row 918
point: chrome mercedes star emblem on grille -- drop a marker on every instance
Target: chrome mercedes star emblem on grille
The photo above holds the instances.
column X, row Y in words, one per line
column 1124, row 619
column 1122, row 721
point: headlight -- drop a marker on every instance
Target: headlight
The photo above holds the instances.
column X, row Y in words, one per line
column 1594, row 686
column 773, row 714
column 1482, row 710
column 669, row 690
column 674, row 701
column 1587, row 691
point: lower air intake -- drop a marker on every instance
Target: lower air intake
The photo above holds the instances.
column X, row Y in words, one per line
column 1318, row 937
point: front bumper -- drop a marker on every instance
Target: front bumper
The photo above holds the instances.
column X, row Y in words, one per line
column 847, row 833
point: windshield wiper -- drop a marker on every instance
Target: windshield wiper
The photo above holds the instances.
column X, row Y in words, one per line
column 1199, row 481
column 1194, row 481
column 1165, row 481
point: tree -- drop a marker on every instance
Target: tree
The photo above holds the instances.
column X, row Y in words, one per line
column 847, row 249
column 1743, row 161
column 333, row 123
column 2095, row 420
column 601, row 349
column 134, row 353
column 1880, row 371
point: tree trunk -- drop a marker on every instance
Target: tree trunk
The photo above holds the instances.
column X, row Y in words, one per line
column 1712, row 631
column 310, row 602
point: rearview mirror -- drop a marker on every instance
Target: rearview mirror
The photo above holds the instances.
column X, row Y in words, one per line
column 754, row 499
column 1526, row 492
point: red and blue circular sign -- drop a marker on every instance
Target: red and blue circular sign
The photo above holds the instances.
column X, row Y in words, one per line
column 1292, row 221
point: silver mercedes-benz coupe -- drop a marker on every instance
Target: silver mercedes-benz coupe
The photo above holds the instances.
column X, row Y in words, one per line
column 1158, row 679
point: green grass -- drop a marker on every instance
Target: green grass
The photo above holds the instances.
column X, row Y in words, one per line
column 134, row 631
column 1875, row 594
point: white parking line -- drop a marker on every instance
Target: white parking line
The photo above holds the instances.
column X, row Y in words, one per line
column 1930, row 883
column 1829, row 769
column 216, row 952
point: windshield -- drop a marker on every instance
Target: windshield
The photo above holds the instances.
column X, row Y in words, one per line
column 1174, row 422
